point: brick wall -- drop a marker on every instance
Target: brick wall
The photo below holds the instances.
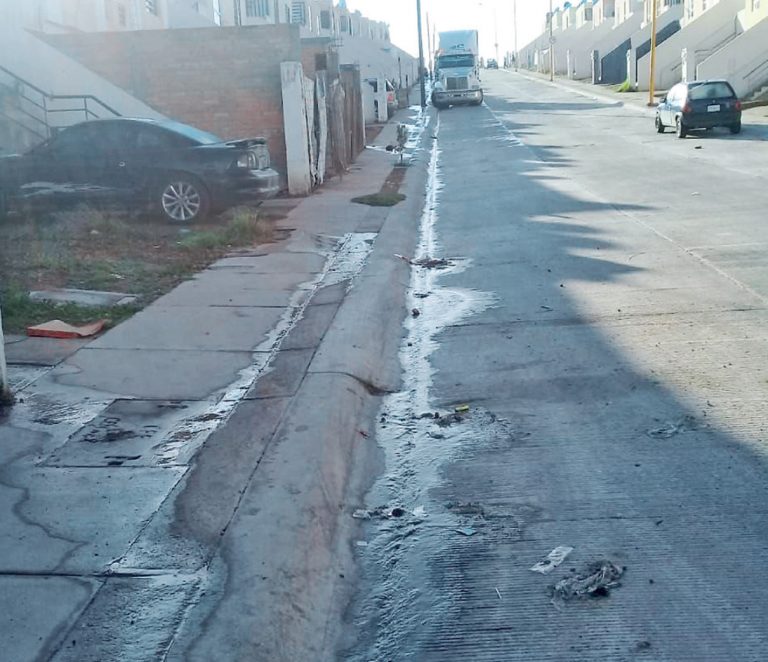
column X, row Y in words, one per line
column 222, row 80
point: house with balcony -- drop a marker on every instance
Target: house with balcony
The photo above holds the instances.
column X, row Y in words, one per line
column 743, row 61
column 706, row 26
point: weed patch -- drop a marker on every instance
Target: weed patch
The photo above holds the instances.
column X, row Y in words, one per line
column 383, row 199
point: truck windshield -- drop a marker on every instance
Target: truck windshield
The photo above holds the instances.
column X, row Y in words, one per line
column 451, row 61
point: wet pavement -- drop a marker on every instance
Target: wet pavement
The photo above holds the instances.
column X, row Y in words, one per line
column 586, row 373
column 153, row 481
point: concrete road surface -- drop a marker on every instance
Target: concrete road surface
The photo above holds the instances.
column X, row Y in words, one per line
column 604, row 320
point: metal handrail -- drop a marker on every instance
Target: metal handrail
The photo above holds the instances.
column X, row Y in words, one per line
column 43, row 105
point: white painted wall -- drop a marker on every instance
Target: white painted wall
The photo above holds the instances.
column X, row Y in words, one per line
column 42, row 65
column 378, row 58
column 642, row 35
column 296, row 132
column 700, row 37
column 744, row 61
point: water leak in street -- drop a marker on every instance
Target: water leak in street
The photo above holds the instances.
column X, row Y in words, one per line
column 418, row 439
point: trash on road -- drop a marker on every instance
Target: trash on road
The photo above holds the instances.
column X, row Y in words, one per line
column 420, row 511
column 62, row 330
column 497, row 592
column 426, row 262
column 685, row 424
column 362, row 514
column 596, row 582
column 415, row 312
column 449, row 419
column 461, row 409
column 553, row 559
column 466, row 531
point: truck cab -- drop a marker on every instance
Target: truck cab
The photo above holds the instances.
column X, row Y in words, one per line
column 457, row 70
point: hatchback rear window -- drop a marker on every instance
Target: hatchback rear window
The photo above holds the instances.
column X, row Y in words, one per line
column 710, row 91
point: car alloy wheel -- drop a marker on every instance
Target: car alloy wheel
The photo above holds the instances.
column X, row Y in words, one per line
column 681, row 130
column 181, row 201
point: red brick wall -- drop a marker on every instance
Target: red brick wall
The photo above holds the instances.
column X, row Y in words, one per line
column 222, row 80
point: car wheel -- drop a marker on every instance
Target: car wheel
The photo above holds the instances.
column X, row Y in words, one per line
column 659, row 125
column 183, row 199
column 735, row 128
column 682, row 132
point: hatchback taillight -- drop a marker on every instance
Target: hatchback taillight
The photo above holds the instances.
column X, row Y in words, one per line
column 687, row 108
column 737, row 105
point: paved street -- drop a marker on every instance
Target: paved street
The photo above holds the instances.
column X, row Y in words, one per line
column 605, row 321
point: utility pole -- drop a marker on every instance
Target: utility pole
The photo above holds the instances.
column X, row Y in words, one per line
column 551, row 43
column 514, row 22
column 6, row 397
column 429, row 46
column 496, row 33
column 422, row 84
column 652, row 80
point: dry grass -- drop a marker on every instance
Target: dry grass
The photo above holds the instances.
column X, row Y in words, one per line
column 108, row 251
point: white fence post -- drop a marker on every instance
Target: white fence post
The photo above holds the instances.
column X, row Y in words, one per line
column 296, row 132
column 6, row 397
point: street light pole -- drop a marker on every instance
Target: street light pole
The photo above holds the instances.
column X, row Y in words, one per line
column 551, row 43
column 422, row 84
column 652, row 80
column 514, row 22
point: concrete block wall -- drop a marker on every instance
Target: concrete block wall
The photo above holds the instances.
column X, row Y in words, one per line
column 226, row 81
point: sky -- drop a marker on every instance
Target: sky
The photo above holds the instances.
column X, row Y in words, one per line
column 490, row 17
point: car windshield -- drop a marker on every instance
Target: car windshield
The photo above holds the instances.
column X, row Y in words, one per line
column 710, row 91
column 451, row 61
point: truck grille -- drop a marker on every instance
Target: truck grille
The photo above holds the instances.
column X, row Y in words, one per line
column 457, row 83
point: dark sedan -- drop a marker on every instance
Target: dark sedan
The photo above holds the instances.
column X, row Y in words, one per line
column 173, row 169
column 704, row 104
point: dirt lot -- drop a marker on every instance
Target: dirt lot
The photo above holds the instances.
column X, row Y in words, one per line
column 106, row 251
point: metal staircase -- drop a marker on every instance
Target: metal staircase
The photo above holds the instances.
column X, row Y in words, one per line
column 39, row 115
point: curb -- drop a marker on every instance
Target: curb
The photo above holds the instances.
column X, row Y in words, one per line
column 291, row 536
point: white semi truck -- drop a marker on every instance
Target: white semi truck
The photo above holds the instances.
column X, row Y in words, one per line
column 457, row 70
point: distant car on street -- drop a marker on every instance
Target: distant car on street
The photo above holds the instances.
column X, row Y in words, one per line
column 702, row 104
column 492, row 64
column 167, row 167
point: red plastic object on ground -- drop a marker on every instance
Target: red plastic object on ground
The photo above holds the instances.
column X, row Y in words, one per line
column 59, row 329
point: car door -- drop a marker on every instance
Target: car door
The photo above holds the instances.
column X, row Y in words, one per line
column 670, row 111
column 54, row 174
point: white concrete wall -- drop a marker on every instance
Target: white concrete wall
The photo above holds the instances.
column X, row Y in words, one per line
column 700, row 37
column 45, row 67
column 744, row 61
column 296, row 132
column 377, row 58
column 642, row 35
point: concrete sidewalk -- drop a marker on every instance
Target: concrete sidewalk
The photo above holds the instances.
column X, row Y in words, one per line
column 126, row 461
column 634, row 101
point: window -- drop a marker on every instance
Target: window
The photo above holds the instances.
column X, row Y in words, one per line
column 711, row 91
column 344, row 21
column 122, row 16
column 151, row 7
column 257, row 8
column 325, row 20
column 299, row 13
